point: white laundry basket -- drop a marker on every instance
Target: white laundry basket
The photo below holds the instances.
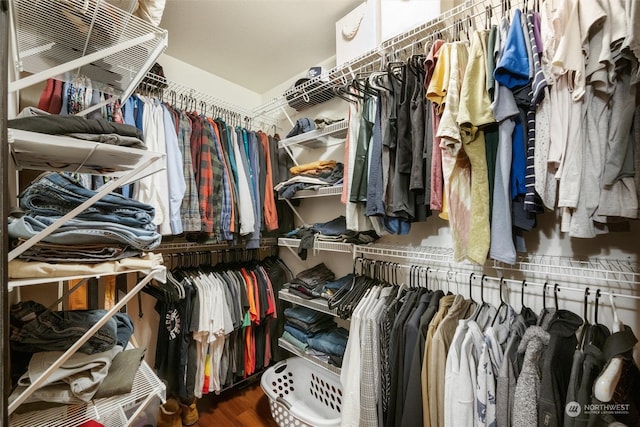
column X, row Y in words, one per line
column 302, row 394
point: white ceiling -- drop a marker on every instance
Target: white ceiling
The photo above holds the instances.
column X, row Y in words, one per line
column 256, row 44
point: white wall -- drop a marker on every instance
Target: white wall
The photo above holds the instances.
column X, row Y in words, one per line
column 195, row 78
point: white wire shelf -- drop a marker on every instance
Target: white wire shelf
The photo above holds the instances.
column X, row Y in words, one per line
column 317, row 138
column 593, row 271
column 146, row 385
column 317, row 304
column 83, row 38
column 40, row 151
column 613, row 273
column 312, row 359
column 318, row 245
column 423, row 254
column 160, row 274
column 333, row 190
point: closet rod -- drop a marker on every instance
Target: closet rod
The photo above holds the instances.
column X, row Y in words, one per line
column 477, row 275
column 265, row 243
column 168, row 89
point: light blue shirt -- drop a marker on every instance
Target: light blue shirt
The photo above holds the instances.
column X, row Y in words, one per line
column 175, row 172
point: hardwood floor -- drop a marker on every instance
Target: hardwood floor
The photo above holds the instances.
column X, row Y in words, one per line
column 245, row 407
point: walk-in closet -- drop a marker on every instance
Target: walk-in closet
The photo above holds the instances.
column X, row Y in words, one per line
column 344, row 213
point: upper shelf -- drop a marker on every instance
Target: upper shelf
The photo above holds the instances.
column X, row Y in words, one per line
column 82, row 38
column 317, row 138
column 318, row 245
column 40, row 151
column 333, row 190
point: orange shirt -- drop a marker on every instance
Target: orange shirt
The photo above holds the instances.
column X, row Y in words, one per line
column 270, row 213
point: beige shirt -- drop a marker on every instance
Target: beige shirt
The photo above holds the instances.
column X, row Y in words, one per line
column 440, row 343
column 443, row 308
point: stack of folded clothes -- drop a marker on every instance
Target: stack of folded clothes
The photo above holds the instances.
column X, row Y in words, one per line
column 310, row 283
column 322, row 173
column 101, row 368
column 113, row 228
column 98, row 130
column 330, row 231
column 315, row 333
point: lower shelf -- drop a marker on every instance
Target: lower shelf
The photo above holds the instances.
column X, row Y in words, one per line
column 316, row 361
column 146, row 386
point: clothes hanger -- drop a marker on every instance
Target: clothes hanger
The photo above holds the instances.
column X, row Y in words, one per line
column 607, row 381
column 595, row 314
column 522, row 306
column 483, row 304
column 556, row 289
column 586, row 325
column 471, row 276
column 502, row 305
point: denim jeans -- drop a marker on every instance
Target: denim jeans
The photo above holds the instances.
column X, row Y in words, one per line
column 34, row 328
column 311, row 328
column 55, row 194
column 337, row 284
column 77, row 231
column 335, row 227
column 50, row 252
column 304, row 314
column 298, row 334
column 330, row 342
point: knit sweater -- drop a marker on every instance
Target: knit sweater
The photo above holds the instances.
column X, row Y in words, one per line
column 533, row 345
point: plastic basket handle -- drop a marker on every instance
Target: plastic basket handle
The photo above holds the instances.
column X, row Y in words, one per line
column 284, row 402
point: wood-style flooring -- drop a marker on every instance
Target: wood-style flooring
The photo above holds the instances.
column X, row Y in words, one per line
column 244, row 407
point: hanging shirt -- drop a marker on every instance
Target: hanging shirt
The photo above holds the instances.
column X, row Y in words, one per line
column 175, row 172
column 456, row 179
column 154, row 189
column 270, row 213
column 474, row 114
column 245, row 202
column 437, row 80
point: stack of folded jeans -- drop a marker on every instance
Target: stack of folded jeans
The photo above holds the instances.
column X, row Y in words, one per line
column 309, row 283
column 332, row 342
column 315, row 332
column 122, row 226
column 302, row 323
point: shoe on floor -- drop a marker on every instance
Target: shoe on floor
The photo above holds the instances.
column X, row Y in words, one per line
column 189, row 414
column 169, row 414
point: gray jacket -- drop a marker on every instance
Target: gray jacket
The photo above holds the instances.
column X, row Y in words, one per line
column 533, row 344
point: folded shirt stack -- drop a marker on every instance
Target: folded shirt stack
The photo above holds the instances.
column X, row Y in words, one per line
column 322, row 173
column 334, row 230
